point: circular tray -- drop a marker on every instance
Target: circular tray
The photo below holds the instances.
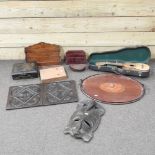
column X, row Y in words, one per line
column 112, row 88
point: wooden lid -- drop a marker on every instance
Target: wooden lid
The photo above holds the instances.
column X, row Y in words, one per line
column 53, row 73
column 43, row 47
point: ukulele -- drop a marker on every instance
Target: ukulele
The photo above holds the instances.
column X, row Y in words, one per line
column 134, row 69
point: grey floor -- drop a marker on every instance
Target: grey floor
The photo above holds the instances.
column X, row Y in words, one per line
column 124, row 130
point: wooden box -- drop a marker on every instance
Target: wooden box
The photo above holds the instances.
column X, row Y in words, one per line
column 24, row 71
column 43, row 54
column 52, row 73
column 75, row 57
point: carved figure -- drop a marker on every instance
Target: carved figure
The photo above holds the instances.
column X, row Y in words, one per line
column 85, row 120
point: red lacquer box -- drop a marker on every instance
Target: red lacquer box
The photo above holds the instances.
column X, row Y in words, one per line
column 75, row 57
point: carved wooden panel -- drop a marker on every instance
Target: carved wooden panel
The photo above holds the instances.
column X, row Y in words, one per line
column 41, row 94
column 24, row 96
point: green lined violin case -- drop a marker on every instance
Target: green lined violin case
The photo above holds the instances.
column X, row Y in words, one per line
column 127, row 61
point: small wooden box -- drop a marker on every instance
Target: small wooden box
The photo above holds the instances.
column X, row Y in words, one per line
column 51, row 74
column 24, row 71
column 43, row 54
column 75, row 57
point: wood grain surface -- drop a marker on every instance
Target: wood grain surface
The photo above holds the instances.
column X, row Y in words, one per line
column 92, row 26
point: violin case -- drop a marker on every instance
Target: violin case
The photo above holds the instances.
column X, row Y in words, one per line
column 137, row 55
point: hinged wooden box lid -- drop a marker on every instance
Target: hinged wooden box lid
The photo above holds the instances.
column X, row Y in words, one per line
column 52, row 73
column 43, row 54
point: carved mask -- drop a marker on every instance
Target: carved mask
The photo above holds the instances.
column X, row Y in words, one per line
column 85, row 120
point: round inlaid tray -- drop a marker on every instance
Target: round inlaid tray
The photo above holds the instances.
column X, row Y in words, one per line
column 112, row 88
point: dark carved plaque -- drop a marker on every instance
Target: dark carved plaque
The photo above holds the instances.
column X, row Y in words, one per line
column 43, row 94
column 60, row 92
column 24, row 97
